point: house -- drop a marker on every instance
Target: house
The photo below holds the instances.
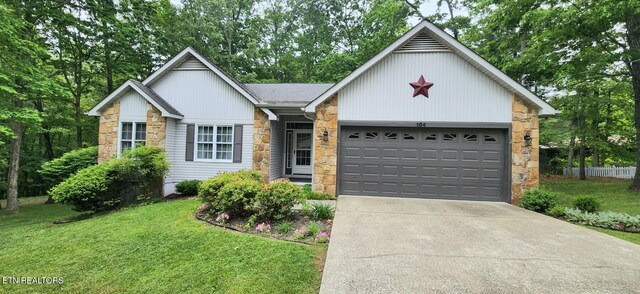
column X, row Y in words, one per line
column 426, row 117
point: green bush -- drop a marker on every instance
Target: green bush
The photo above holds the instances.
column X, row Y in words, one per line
column 309, row 194
column 210, row 188
column 188, row 187
column 59, row 169
column 539, row 200
column 607, row 220
column 557, row 211
column 313, row 229
column 307, row 188
column 235, row 198
column 116, row 183
column 322, row 211
column 275, row 201
column 587, row 203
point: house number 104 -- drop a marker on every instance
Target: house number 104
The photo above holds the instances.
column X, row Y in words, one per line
column 421, row 124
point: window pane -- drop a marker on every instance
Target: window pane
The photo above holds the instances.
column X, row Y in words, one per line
column 223, row 151
column 205, row 151
column 125, row 145
column 141, row 131
column 224, row 134
column 127, row 131
column 205, row 134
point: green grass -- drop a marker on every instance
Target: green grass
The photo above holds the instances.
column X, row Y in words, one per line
column 158, row 248
column 614, row 195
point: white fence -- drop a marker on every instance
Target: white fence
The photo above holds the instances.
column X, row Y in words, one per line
column 622, row 172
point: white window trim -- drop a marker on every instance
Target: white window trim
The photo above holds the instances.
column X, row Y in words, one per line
column 215, row 143
column 133, row 135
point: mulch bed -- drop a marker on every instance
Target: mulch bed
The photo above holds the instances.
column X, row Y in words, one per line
column 298, row 221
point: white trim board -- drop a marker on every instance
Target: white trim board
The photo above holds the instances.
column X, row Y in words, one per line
column 95, row 111
column 438, row 34
column 178, row 59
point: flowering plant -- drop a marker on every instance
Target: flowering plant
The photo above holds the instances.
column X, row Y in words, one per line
column 299, row 233
column 322, row 237
column 222, row 218
column 263, row 228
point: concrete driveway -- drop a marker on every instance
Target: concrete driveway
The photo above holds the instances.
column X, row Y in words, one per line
column 391, row 245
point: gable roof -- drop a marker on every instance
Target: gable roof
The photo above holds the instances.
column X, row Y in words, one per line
column 288, row 94
column 234, row 83
column 426, row 27
column 147, row 93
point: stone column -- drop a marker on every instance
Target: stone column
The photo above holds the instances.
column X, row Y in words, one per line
column 108, row 132
column 524, row 161
column 261, row 143
column 156, row 127
column 326, row 152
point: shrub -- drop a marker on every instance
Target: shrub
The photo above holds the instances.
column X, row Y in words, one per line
column 307, row 188
column 557, row 211
column 275, row 201
column 607, row 220
column 95, row 188
column 539, row 200
column 59, row 169
column 322, row 211
column 309, row 194
column 188, row 187
column 210, row 188
column 284, row 227
column 235, row 198
column 313, row 229
column 587, row 203
column 119, row 182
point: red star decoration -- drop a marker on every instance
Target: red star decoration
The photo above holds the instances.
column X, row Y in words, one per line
column 421, row 87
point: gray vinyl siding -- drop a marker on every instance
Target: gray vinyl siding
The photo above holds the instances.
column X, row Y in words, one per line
column 202, row 95
column 188, row 170
column 133, row 107
column 192, row 63
column 277, row 150
column 203, row 98
column 461, row 92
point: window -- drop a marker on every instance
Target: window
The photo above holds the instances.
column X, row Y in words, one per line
column 489, row 138
column 450, row 137
column 431, row 137
column 470, row 137
column 355, row 135
column 214, row 143
column 409, row 137
column 132, row 134
column 391, row 136
column 371, row 135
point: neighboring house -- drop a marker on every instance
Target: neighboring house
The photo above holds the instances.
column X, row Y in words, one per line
column 365, row 135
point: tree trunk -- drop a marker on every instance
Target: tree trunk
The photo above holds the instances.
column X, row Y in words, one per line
column 595, row 157
column 582, row 170
column 633, row 38
column 14, row 168
column 78, row 120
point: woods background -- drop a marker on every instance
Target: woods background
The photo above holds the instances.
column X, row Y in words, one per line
column 59, row 58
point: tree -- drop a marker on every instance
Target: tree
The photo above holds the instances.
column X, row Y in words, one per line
column 24, row 76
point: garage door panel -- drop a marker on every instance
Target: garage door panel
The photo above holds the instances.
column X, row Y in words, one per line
column 426, row 163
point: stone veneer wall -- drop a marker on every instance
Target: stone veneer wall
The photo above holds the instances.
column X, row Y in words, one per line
column 108, row 132
column 525, row 165
column 326, row 152
column 156, row 127
column 261, row 140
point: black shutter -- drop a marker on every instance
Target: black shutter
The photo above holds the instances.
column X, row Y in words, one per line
column 237, row 143
column 191, row 132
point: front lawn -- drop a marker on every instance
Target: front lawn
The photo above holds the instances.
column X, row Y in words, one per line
column 159, row 248
column 614, row 195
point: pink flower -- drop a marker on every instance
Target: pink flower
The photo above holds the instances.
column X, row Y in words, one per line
column 262, row 227
column 222, row 218
column 322, row 235
column 300, row 231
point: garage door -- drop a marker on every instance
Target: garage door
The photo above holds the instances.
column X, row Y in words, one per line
column 462, row 164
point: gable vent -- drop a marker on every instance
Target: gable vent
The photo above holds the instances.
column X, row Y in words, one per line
column 422, row 43
column 191, row 63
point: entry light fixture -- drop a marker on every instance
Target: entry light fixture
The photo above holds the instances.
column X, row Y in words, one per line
column 527, row 140
column 325, row 136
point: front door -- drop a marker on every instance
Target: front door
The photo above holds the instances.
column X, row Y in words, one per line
column 302, row 141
